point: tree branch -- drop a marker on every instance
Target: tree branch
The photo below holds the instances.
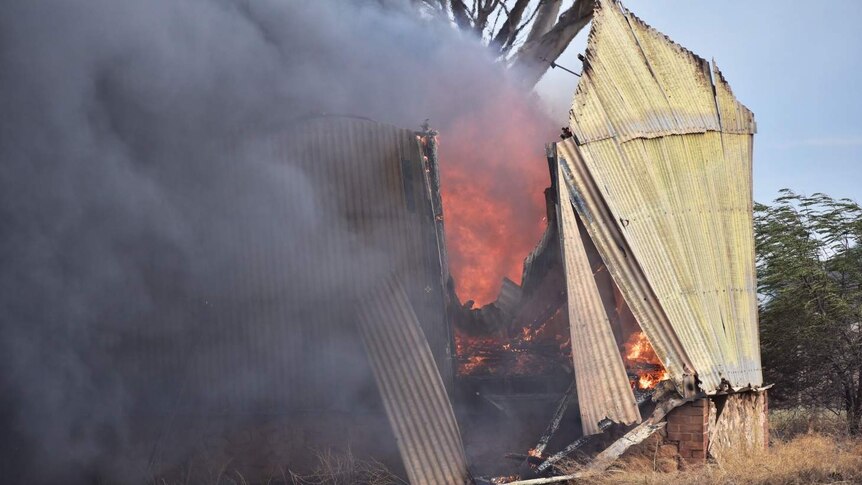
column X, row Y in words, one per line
column 534, row 58
column 485, row 10
column 546, row 15
column 506, row 35
column 459, row 12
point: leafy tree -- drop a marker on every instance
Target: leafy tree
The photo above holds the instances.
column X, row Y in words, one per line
column 810, row 284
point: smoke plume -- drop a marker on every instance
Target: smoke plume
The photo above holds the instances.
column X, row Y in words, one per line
column 120, row 207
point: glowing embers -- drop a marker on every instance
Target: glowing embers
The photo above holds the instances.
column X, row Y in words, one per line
column 644, row 367
column 513, row 350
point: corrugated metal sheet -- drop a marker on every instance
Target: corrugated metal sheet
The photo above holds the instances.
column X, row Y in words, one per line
column 379, row 196
column 368, row 215
column 416, row 402
column 281, row 336
column 381, row 191
column 603, row 386
column 661, row 173
column 605, row 233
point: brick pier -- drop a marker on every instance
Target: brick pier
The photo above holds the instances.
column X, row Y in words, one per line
column 688, row 430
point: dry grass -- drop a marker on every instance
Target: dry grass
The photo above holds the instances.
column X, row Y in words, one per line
column 345, row 469
column 330, row 468
column 785, row 424
column 806, row 459
column 809, row 447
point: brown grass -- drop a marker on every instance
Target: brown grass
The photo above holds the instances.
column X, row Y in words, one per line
column 785, row 424
column 330, row 468
column 345, row 469
column 806, row 459
column 809, row 447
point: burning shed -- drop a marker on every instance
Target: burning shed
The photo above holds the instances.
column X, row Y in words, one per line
column 644, row 275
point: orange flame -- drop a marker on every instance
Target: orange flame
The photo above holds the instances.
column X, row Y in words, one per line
column 493, row 174
column 640, row 357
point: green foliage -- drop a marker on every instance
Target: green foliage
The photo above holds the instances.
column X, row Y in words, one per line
column 810, row 281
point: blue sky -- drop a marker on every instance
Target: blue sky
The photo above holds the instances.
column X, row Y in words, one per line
column 797, row 65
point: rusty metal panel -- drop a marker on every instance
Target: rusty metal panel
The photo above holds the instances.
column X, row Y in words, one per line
column 416, row 402
column 603, row 386
column 662, row 153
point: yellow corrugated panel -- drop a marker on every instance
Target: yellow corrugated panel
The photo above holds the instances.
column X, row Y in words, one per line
column 607, row 235
column 666, row 148
column 603, row 386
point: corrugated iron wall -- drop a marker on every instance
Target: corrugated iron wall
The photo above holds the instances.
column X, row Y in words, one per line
column 416, row 402
column 367, row 214
column 281, row 337
column 380, row 191
column 660, row 170
column 603, row 386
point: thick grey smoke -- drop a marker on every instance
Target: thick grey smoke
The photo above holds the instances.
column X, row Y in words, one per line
column 117, row 203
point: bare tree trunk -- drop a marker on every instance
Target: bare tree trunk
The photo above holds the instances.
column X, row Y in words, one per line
column 854, row 407
column 548, row 35
column 545, row 18
column 459, row 11
column 506, row 35
column 534, row 57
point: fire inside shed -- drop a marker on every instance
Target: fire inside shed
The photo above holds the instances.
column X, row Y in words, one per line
column 631, row 311
column 642, row 286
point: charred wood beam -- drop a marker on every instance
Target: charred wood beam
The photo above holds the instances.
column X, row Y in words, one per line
column 554, row 425
column 610, row 454
column 530, row 459
column 541, row 481
column 568, row 450
column 637, row 435
column 640, row 432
